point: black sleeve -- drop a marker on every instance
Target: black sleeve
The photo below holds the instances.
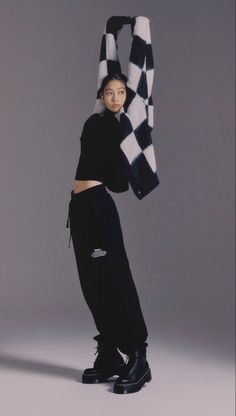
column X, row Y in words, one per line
column 90, row 160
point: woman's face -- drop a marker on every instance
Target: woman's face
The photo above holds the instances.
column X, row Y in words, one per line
column 114, row 95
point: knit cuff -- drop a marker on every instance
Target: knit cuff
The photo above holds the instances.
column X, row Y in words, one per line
column 115, row 23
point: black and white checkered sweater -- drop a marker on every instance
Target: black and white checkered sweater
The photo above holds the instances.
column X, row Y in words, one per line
column 136, row 116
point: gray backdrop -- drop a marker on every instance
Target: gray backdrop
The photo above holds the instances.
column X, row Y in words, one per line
column 179, row 239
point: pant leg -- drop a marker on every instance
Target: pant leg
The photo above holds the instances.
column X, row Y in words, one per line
column 103, row 267
column 83, row 235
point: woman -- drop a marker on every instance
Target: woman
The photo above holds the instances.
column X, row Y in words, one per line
column 97, row 237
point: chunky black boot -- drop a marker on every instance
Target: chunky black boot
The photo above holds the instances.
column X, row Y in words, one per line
column 108, row 363
column 135, row 373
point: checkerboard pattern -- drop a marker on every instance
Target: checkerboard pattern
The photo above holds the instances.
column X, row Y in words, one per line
column 136, row 116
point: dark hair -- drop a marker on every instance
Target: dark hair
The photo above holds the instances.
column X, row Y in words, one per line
column 109, row 77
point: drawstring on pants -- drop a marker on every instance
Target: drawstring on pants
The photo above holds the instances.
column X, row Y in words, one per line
column 68, row 216
column 68, row 226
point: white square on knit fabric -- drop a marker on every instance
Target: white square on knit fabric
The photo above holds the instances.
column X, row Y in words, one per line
column 150, row 156
column 99, row 106
column 136, row 111
column 111, row 48
column 150, row 116
column 102, row 70
column 134, row 75
column 149, row 76
column 141, row 28
column 131, row 147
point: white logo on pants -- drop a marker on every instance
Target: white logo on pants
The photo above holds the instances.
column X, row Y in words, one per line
column 97, row 252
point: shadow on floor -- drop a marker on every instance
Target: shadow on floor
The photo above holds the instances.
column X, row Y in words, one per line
column 13, row 362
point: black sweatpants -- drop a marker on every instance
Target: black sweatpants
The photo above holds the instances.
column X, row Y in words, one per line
column 103, row 268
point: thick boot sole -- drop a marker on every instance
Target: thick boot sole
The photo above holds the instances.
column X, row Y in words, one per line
column 133, row 387
column 100, row 377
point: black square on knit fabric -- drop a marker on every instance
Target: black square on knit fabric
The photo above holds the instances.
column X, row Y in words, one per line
column 113, row 67
column 138, row 51
column 130, row 96
column 103, row 56
column 143, row 136
column 127, row 127
column 149, row 57
column 141, row 170
column 142, row 86
column 150, row 100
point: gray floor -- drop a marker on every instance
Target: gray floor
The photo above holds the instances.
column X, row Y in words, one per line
column 42, row 359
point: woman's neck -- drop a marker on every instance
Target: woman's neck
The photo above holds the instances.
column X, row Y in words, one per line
column 109, row 112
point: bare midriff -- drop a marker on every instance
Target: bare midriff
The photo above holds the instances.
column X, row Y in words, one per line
column 81, row 185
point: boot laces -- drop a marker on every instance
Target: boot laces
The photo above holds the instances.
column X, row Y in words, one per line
column 130, row 362
column 128, row 365
column 102, row 354
column 99, row 357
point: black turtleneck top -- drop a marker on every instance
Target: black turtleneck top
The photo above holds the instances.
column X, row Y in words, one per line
column 101, row 157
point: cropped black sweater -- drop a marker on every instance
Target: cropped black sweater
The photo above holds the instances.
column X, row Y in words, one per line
column 101, row 157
